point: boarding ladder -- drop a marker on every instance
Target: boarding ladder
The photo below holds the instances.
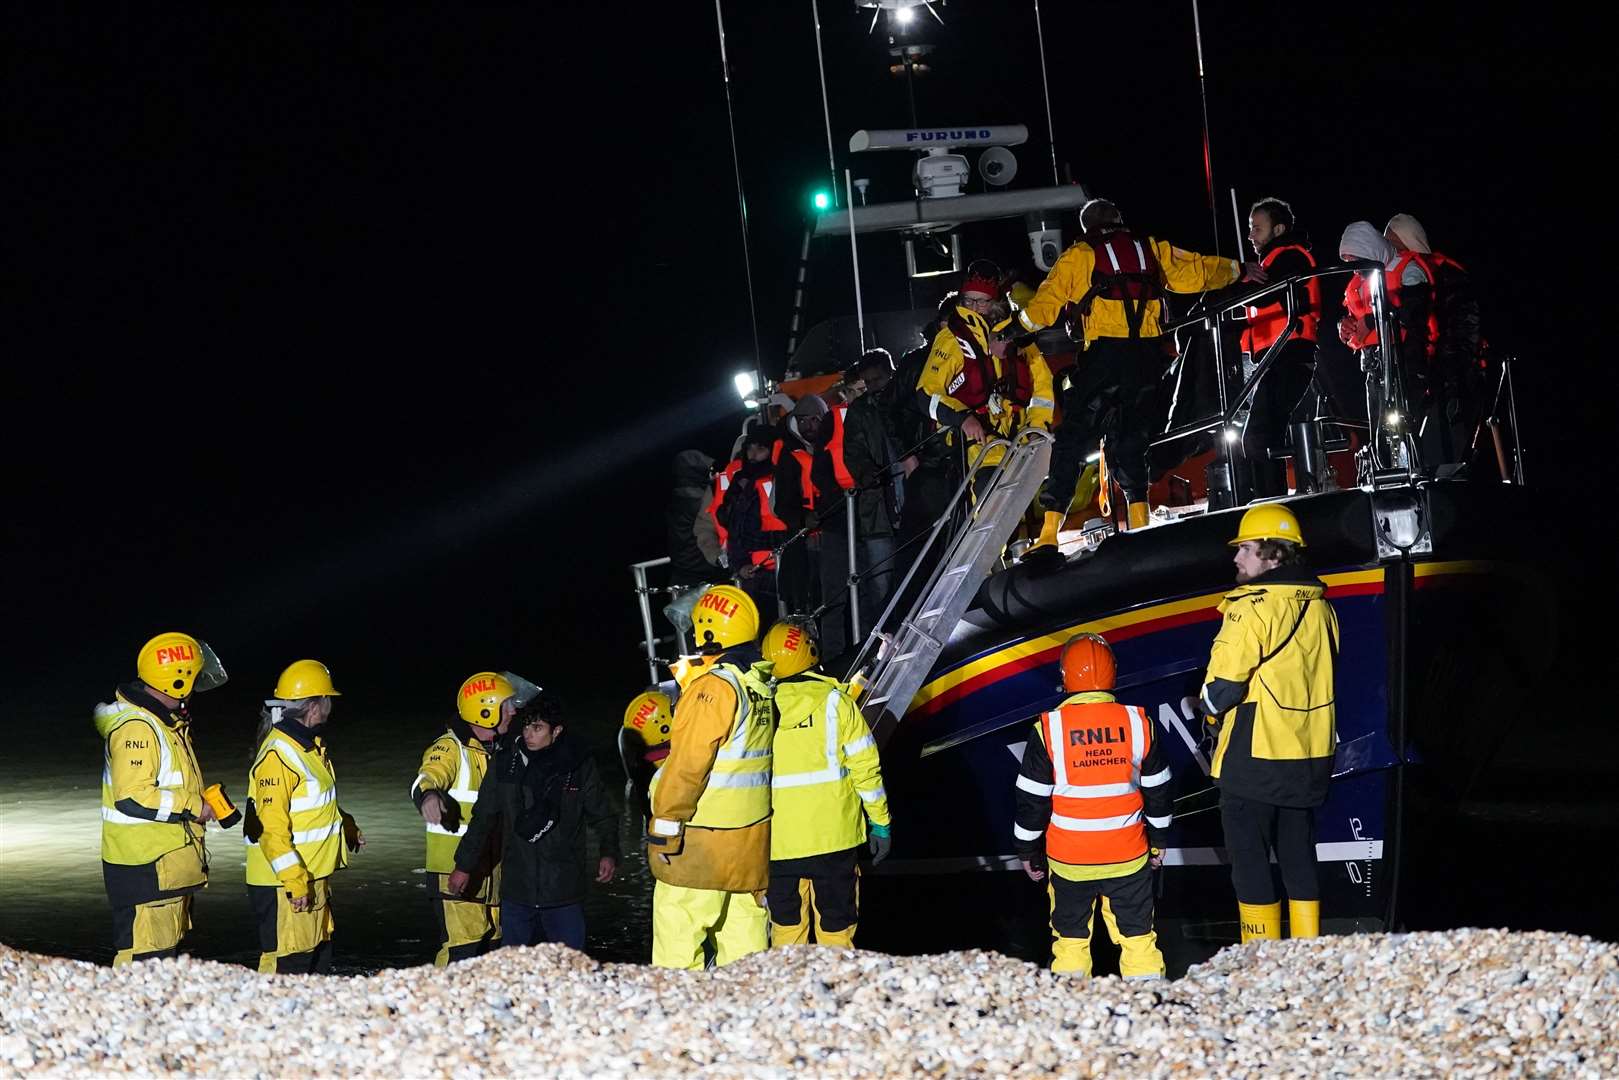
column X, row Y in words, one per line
column 892, row 665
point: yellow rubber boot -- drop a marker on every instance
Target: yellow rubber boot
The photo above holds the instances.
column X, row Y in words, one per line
column 1048, row 531
column 1260, row 921
column 1138, row 515
column 1304, row 918
column 1089, row 481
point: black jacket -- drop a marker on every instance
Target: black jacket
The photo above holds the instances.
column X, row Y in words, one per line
column 867, row 454
column 689, row 498
column 550, row 871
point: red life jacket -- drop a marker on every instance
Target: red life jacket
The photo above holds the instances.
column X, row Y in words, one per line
column 1358, row 298
column 834, row 450
column 1266, row 324
column 978, row 379
column 722, row 484
column 1125, row 270
column 1097, row 815
column 806, row 459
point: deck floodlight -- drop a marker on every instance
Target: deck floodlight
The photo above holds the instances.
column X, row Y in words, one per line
column 904, row 15
column 747, row 385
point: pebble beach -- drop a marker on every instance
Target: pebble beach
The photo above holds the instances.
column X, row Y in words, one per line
column 1462, row 1003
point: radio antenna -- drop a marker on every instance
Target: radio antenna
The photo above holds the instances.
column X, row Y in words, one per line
column 741, row 198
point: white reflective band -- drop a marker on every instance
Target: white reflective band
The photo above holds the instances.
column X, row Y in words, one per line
column 118, row 817
column 1111, row 257
column 664, row 827
column 1159, row 777
column 315, row 836
column 874, row 794
column 1059, row 765
column 1025, row 834
column 417, row 783
column 725, row 482
column 1138, row 736
column 1095, row 791
column 1141, row 256
column 1023, row 317
column 1074, row 824
column 1033, row 788
column 933, row 407
column 819, row 776
column 289, row 859
column 738, row 780
column 312, row 802
column 729, row 754
column 865, row 742
column 1042, row 403
column 1208, row 706
column 170, row 779
column 466, row 795
column 442, row 831
column 164, row 805
column 1160, row 822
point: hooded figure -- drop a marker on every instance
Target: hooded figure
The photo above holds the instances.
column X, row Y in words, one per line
column 1410, row 232
column 688, row 564
column 1363, row 241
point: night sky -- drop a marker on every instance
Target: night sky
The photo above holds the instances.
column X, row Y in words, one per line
column 368, row 333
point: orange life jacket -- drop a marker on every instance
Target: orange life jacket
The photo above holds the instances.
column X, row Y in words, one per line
column 1097, row 816
column 1358, row 299
column 834, row 450
column 1265, row 325
column 767, row 517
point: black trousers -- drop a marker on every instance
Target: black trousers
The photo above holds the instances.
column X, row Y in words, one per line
column 1130, row 897
column 1117, row 392
column 1253, row 830
column 834, row 878
column 1283, row 396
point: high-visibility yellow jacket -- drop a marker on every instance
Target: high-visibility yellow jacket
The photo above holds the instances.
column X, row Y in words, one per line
column 827, row 778
column 295, row 799
column 455, row 767
column 1070, row 280
column 710, row 826
column 151, row 793
column 1270, row 680
column 943, row 371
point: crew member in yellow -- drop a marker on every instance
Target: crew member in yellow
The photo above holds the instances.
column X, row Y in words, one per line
column 957, row 379
column 152, row 808
column 297, row 835
column 1093, row 804
column 643, row 743
column 708, row 843
column 1269, row 689
column 827, row 785
column 1009, row 388
column 445, row 790
column 1116, row 276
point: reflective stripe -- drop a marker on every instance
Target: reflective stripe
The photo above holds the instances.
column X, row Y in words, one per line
column 865, row 742
column 118, row 817
column 312, row 802
column 725, row 481
column 1160, row 822
column 1059, row 766
column 311, row 798
column 874, row 794
column 933, row 407
column 284, row 861
column 314, row 836
column 1138, row 738
column 1159, row 777
column 464, row 794
column 819, row 776
column 1096, row 791
column 1023, row 317
column 442, row 831
column 740, row 755
column 1112, row 258
column 1025, row 834
column 738, row 780
column 164, row 805
column 1208, row 706
column 665, row 827
column 1042, row 403
column 1033, row 788
column 1074, row 824
column 1141, row 256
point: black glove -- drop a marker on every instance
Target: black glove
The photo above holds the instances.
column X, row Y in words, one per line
column 880, row 843
column 252, row 827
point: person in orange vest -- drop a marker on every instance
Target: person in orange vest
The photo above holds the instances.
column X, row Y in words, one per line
column 758, row 504
column 1284, row 397
column 1093, row 804
column 1116, row 277
column 1459, row 351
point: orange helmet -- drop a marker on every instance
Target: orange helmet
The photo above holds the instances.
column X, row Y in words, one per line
column 1087, row 664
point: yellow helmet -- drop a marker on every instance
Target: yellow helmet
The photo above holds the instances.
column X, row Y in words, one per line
column 170, row 664
column 651, row 716
column 481, row 696
column 725, row 616
column 305, row 679
column 1269, row 522
column 792, row 648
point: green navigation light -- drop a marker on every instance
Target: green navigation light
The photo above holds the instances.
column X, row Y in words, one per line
column 822, row 200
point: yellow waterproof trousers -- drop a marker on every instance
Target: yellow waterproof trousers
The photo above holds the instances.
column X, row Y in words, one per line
column 687, row 923
column 285, row 933
column 466, row 928
column 150, row 930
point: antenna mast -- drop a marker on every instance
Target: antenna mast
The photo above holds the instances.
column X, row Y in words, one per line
column 741, row 198
column 1208, row 157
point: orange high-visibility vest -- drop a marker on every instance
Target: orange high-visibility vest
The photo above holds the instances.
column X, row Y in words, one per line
column 722, row 484
column 1096, row 809
column 834, row 447
column 1358, row 299
column 1264, row 327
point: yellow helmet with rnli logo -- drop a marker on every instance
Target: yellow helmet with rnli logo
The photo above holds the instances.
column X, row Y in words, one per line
column 725, row 617
column 651, row 716
column 792, row 648
column 305, row 679
column 176, row 664
column 1269, row 522
column 481, row 696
